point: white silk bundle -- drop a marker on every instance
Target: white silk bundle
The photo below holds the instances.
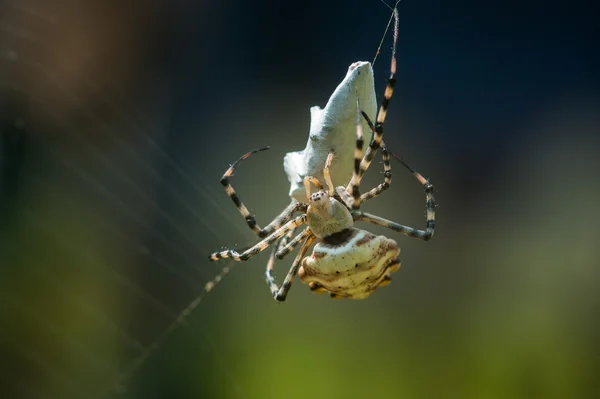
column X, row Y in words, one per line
column 333, row 128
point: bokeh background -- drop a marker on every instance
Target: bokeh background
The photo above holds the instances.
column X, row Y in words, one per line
column 118, row 118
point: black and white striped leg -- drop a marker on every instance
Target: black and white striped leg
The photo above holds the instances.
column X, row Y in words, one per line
column 284, row 240
column 280, row 293
column 387, row 168
column 261, row 246
column 282, row 245
column 250, row 219
column 353, row 187
column 387, row 96
column 387, row 177
column 408, row 231
column 277, row 247
column 286, row 248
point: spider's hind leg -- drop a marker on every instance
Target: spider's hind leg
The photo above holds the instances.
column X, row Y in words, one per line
column 430, row 205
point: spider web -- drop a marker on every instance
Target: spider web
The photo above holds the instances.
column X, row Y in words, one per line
column 109, row 201
column 102, row 234
column 107, row 214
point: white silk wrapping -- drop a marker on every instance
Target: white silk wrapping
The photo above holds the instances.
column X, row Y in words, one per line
column 333, row 128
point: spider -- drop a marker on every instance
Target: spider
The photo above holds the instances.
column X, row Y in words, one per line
column 347, row 262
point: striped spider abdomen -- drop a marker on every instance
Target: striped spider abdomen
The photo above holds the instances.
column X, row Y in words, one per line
column 351, row 264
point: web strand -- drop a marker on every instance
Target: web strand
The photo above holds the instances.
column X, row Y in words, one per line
column 394, row 10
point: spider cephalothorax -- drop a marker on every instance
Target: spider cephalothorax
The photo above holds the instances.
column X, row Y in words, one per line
column 347, row 262
column 327, row 216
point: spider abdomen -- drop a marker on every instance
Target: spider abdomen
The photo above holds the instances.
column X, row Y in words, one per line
column 353, row 268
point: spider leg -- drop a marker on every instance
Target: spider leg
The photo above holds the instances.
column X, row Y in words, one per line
column 280, row 244
column 408, row 231
column 387, row 168
column 261, row 246
column 313, row 180
column 284, row 240
column 378, row 135
column 283, row 217
column 269, row 277
column 289, row 247
column 387, row 177
column 280, row 293
column 354, row 185
column 327, row 175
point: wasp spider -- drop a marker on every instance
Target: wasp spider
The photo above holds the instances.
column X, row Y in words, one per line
column 346, row 262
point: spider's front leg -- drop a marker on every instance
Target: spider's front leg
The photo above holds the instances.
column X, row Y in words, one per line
column 261, row 246
column 285, row 247
column 280, row 293
column 283, row 217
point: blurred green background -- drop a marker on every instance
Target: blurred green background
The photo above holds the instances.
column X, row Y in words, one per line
column 118, row 118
